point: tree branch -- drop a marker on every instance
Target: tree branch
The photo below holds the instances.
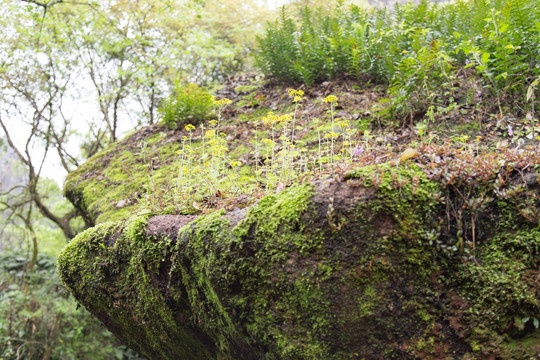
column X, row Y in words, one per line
column 44, row 5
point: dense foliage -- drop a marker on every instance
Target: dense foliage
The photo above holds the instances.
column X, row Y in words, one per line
column 41, row 321
column 427, row 53
column 189, row 104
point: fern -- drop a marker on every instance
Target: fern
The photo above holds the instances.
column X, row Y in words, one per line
column 413, row 48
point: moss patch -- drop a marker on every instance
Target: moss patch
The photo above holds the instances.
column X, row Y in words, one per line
column 112, row 184
column 113, row 265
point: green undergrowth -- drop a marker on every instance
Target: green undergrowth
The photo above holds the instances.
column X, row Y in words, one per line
column 189, row 104
column 431, row 56
column 41, row 321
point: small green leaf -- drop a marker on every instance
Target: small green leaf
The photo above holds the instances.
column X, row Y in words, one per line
column 530, row 92
column 481, row 68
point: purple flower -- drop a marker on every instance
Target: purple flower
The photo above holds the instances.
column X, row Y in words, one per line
column 358, row 150
column 510, row 131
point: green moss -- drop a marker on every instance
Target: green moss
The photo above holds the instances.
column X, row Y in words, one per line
column 275, row 231
column 196, row 265
column 116, row 175
column 521, row 348
column 404, row 193
column 368, row 302
column 502, row 288
column 254, row 115
column 122, row 293
column 275, row 211
column 238, row 151
column 156, row 138
column 199, row 263
column 496, row 288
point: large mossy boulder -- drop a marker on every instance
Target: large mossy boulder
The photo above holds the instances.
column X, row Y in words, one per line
column 357, row 267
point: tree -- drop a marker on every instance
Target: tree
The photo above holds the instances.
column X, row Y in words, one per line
column 34, row 85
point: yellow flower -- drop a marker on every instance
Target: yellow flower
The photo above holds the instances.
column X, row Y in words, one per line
column 332, row 135
column 285, row 118
column 267, row 141
column 189, row 127
column 343, row 123
column 210, row 133
column 223, row 101
column 271, row 118
column 330, row 99
column 213, row 122
column 293, row 92
column 297, row 95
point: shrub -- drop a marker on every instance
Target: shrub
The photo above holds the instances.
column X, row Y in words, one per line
column 188, row 105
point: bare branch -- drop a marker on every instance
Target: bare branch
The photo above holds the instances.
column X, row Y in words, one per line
column 44, row 5
column 11, row 144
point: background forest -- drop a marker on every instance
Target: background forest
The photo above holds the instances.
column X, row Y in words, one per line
column 77, row 76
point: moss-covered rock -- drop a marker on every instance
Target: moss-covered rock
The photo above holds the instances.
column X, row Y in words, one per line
column 367, row 267
column 432, row 255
